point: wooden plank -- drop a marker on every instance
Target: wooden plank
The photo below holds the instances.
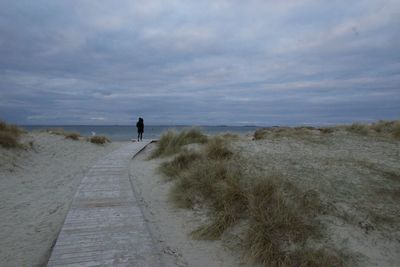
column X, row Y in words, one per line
column 105, row 225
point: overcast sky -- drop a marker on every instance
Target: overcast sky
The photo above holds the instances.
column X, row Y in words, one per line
column 199, row 62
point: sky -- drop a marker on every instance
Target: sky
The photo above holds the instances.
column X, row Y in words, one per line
column 199, row 62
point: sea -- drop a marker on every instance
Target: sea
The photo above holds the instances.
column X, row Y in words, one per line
column 127, row 133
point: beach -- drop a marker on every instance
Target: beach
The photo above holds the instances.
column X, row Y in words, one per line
column 356, row 178
column 37, row 186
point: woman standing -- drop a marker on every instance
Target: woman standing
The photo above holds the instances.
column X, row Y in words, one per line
column 140, row 129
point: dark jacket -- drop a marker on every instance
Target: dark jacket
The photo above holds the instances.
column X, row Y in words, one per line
column 140, row 126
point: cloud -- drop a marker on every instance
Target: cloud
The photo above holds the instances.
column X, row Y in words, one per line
column 199, row 62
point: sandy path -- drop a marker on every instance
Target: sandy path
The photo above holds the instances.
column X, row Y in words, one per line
column 171, row 226
column 36, row 189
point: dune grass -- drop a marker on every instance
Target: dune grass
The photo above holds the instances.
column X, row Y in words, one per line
column 73, row 136
column 217, row 148
column 99, row 140
column 68, row 135
column 303, row 132
column 388, row 129
column 277, row 215
column 379, row 128
column 181, row 162
column 172, row 141
column 396, row 130
column 10, row 135
column 358, row 128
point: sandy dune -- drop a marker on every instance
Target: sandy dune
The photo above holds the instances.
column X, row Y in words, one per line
column 357, row 178
column 36, row 189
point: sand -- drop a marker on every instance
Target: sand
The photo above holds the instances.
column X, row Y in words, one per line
column 36, row 188
column 171, row 226
column 357, row 178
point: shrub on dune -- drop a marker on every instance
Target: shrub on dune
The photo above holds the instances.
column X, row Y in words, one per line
column 260, row 133
column 275, row 211
column 396, row 130
column 217, row 148
column 9, row 135
column 391, row 128
column 181, row 162
column 358, row 128
column 68, row 135
column 72, row 136
column 171, row 142
column 100, row 140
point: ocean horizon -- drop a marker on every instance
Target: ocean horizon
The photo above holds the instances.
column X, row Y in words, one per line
column 128, row 132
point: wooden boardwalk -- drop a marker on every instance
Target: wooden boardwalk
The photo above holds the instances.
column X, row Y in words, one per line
column 105, row 226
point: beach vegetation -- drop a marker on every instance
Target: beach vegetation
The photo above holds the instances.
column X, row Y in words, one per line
column 396, row 130
column 216, row 148
column 68, row 135
column 387, row 127
column 171, row 169
column 172, row 141
column 302, row 132
column 99, row 139
column 72, row 135
column 260, row 133
column 327, row 130
column 10, row 135
column 277, row 214
column 358, row 128
column 379, row 128
column 56, row 131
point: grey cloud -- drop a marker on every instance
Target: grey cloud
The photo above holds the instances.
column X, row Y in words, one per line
column 199, row 62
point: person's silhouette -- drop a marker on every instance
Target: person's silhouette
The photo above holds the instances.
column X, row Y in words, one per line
column 140, row 129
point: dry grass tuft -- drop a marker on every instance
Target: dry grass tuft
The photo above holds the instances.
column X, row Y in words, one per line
column 229, row 136
column 171, row 169
column 327, row 130
column 56, row 131
column 72, row 135
column 396, row 130
column 319, row 257
column 278, row 214
column 9, row 135
column 171, row 142
column 358, row 128
column 60, row 131
column 100, row 140
column 303, row 132
column 217, row 148
column 276, row 221
column 260, row 133
column 382, row 128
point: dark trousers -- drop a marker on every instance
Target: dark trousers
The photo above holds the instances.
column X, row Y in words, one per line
column 139, row 136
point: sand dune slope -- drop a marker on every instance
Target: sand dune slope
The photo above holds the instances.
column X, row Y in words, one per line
column 36, row 189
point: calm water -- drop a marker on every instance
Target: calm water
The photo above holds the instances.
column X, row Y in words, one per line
column 126, row 133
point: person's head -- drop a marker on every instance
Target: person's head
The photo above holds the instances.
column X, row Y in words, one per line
column 141, row 119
